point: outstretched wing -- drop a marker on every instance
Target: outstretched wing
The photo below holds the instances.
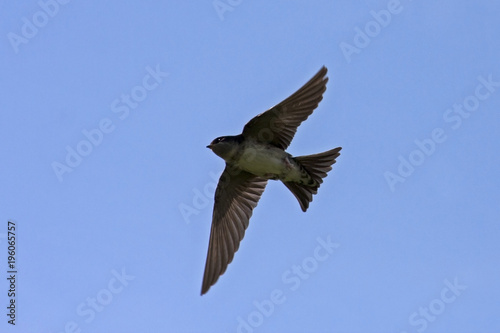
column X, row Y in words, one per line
column 237, row 194
column 278, row 125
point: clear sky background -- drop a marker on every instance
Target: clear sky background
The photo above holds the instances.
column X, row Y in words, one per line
column 115, row 239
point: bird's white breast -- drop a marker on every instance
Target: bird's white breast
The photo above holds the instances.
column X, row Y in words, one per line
column 264, row 161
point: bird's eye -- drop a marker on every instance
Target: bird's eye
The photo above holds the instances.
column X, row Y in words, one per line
column 220, row 140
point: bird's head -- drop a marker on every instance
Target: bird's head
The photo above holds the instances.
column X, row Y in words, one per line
column 225, row 146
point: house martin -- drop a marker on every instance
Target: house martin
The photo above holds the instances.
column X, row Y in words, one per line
column 252, row 158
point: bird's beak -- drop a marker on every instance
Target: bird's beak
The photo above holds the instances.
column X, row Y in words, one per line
column 209, row 146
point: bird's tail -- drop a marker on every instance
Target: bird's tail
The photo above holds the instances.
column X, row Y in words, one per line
column 316, row 167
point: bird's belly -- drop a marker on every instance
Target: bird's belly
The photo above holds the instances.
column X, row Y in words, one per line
column 268, row 162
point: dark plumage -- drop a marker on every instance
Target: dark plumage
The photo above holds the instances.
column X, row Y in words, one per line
column 253, row 157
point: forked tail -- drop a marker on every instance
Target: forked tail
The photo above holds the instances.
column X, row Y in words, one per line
column 317, row 167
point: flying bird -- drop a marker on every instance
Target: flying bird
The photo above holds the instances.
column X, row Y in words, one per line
column 252, row 158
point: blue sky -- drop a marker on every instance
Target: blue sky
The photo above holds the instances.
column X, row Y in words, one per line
column 106, row 110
